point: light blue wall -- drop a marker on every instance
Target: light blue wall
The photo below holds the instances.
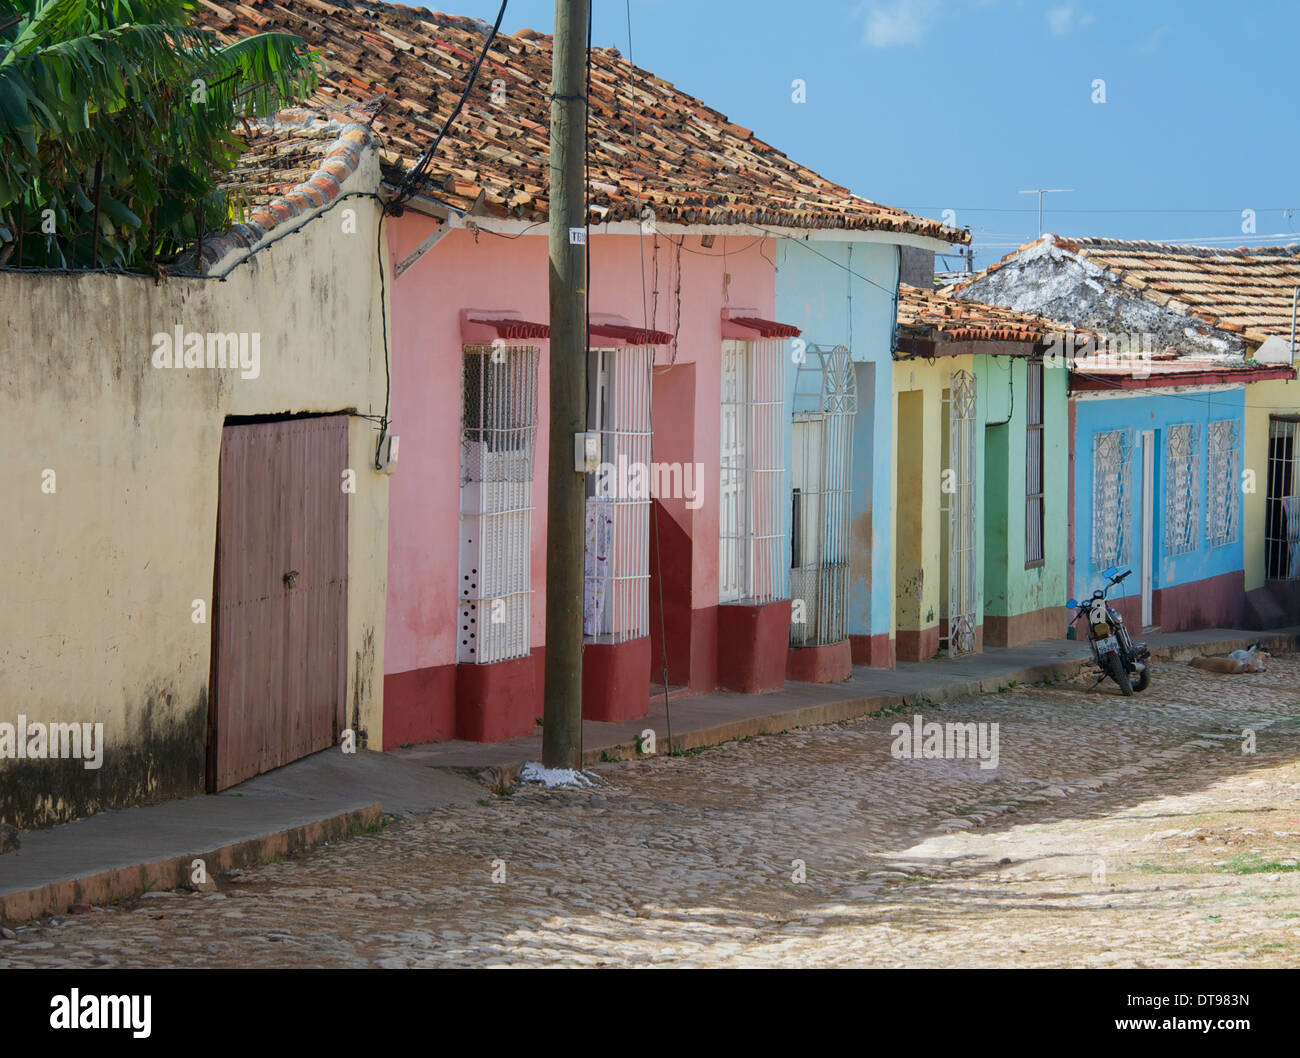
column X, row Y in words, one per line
column 844, row 294
column 1152, row 412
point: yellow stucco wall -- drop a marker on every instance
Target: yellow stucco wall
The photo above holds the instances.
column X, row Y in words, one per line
column 99, row 575
column 916, row 541
column 1277, row 397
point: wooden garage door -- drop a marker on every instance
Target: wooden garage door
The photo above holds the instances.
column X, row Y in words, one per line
column 281, row 595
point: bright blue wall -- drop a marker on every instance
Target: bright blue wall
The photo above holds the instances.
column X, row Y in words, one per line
column 1157, row 412
column 843, row 294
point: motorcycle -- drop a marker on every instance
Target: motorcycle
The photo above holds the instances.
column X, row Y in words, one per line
column 1113, row 648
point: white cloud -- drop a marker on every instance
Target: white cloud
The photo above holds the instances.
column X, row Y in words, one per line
column 1065, row 17
column 1153, row 42
column 899, row 22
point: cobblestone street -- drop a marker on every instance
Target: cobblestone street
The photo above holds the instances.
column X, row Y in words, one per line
column 1114, row 832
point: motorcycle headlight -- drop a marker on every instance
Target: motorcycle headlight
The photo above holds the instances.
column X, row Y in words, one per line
column 1101, row 629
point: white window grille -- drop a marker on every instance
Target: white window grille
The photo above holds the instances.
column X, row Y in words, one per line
column 824, row 404
column 1112, row 498
column 498, row 427
column 616, row 597
column 750, row 537
column 1182, row 487
column 1282, row 518
column 1034, row 465
column 958, row 510
column 1223, row 483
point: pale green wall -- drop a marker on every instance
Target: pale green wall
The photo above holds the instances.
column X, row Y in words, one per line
column 1009, row 588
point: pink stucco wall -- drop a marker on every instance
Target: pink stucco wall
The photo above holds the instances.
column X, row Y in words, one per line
column 494, row 272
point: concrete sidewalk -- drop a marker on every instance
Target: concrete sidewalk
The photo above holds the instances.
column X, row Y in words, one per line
column 708, row 719
column 113, row 856
column 117, row 855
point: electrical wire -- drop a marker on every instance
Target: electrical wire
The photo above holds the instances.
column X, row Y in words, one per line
column 1034, row 210
column 654, row 510
column 807, row 246
column 418, row 171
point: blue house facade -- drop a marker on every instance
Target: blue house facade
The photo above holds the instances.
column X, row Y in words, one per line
column 843, row 296
column 1157, row 486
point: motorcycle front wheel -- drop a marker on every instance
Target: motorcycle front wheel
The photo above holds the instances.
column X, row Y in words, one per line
column 1116, row 669
column 1143, row 679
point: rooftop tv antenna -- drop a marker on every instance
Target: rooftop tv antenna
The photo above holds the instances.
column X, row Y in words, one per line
column 1040, row 192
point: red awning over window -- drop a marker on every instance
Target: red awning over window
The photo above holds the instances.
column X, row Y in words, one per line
column 484, row 327
column 514, row 329
column 629, row 334
column 750, row 327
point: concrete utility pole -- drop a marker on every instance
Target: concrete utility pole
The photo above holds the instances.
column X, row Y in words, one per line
column 566, row 499
column 1040, row 192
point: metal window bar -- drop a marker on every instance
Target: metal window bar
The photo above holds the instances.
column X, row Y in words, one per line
column 824, row 404
column 498, row 439
column 961, row 535
column 1223, row 483
column 1282, row 517
column 751, row 537
column 616, row 596
column 1112, row 498
column 1182, row 487
column 1034, row 465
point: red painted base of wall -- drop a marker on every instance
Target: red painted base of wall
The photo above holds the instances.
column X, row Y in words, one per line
column 1216, row 602
column 876, row 651
column 499, row 701
column 1047, row 623
column 917, row 646
column 752, row 645
column 691, row 634
column 821, row 664
column 419, row 706
column 616, row 680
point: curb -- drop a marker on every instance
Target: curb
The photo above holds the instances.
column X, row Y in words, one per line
column 122, row 883
column 857, row 708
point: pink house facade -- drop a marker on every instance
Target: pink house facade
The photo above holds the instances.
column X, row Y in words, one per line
column 467, row 544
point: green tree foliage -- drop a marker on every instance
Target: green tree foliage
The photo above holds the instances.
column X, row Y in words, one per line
column 118, row 120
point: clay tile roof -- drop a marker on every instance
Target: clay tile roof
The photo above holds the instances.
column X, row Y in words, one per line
column 291, row 165
column 651, row 144
column 940, row 315
column 1246, row 291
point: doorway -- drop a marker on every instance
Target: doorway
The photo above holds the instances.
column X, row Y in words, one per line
column 280, row 600
column 958, row 529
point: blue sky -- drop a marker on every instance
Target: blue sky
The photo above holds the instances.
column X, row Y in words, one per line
column 959, row 104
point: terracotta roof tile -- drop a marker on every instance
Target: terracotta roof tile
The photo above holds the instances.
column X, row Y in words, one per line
column 1245, row 291
column 652, row 144
column 290, row 166
column 939, row 314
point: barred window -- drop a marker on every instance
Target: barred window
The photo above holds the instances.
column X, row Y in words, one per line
column 498, row 427
column 824, row 403
column 1034, row 465
column 1182, row 487
column 1112, row 498
column 616, row 553
column 1282, row 513
column 751, row 539
column 1223, row 490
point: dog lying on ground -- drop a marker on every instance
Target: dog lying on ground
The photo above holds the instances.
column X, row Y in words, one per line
column 1252, row 660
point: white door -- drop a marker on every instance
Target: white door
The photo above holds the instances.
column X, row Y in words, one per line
column 1148, row 529
column 733, row 528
